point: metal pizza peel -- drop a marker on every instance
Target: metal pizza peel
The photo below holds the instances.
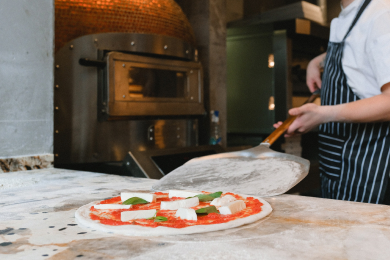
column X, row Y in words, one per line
column 258, row 171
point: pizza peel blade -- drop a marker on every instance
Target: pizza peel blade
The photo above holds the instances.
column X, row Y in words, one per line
column 259, row 171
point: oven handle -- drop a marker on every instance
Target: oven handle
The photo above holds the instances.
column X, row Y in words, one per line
column 92, row 63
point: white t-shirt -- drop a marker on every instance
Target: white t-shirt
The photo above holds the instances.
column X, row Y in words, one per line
column 366, row 60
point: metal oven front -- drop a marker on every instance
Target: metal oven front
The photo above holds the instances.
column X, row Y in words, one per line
column 131, row 98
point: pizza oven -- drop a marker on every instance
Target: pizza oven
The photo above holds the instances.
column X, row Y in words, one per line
column 131, row 100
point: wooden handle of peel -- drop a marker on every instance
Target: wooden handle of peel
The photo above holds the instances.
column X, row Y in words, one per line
column 283, row 128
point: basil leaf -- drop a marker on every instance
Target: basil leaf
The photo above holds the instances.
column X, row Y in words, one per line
column 160, row 219
column 134, row 200
column 203, row 197
column 209, row 197
column 216, row 194
column 207, row 210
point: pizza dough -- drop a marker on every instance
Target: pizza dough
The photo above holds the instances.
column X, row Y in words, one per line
column 83, row 219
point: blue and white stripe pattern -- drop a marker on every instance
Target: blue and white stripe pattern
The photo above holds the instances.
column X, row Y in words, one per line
column 353, row 157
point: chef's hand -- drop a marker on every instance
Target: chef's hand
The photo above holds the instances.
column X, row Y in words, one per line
column 309, row 116
column 313, row 73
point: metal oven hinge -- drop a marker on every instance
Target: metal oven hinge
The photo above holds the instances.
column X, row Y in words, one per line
column 92, row 63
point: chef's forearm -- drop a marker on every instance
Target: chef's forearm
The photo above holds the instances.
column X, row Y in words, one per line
column 318, row 61
column 374, row 109
column 321, row 60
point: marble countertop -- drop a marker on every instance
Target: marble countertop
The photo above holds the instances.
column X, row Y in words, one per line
column 37, row 222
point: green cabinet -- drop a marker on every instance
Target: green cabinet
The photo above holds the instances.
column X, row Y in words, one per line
column 253, row 83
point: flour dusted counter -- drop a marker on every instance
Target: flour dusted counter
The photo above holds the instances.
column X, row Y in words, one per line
column 37, row 222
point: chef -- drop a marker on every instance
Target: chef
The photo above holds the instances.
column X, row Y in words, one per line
column 354, row 116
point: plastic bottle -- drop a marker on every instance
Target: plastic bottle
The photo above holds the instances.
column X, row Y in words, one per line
column 215, row 131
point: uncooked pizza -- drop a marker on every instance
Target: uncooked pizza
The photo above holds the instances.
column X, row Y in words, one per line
column 172, row 213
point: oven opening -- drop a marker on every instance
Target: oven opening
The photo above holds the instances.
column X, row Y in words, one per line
column 159, row 83
column 134, row 86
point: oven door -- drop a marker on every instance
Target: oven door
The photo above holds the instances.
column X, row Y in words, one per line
column 137, row 85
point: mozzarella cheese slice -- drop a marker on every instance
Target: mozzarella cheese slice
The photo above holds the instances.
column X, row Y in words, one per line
column 174, row 205
column 186, row 213
column 112, row 206
column 146, row 196
column 137, row 214
column 183, row 193
column 218, row 202
column 232, row 207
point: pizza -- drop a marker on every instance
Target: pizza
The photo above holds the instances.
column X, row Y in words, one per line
column 173, row 212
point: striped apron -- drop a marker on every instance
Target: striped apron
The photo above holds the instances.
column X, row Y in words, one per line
column 354, row 157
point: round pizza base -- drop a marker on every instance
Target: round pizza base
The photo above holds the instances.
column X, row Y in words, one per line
column 83, row 219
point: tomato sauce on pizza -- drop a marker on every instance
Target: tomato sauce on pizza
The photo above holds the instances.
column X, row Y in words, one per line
column 113, row 217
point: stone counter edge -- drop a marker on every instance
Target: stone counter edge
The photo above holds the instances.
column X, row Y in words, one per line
column 26, row 163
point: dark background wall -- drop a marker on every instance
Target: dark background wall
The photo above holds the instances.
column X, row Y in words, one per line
column 208, row 20
column 254, row 7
